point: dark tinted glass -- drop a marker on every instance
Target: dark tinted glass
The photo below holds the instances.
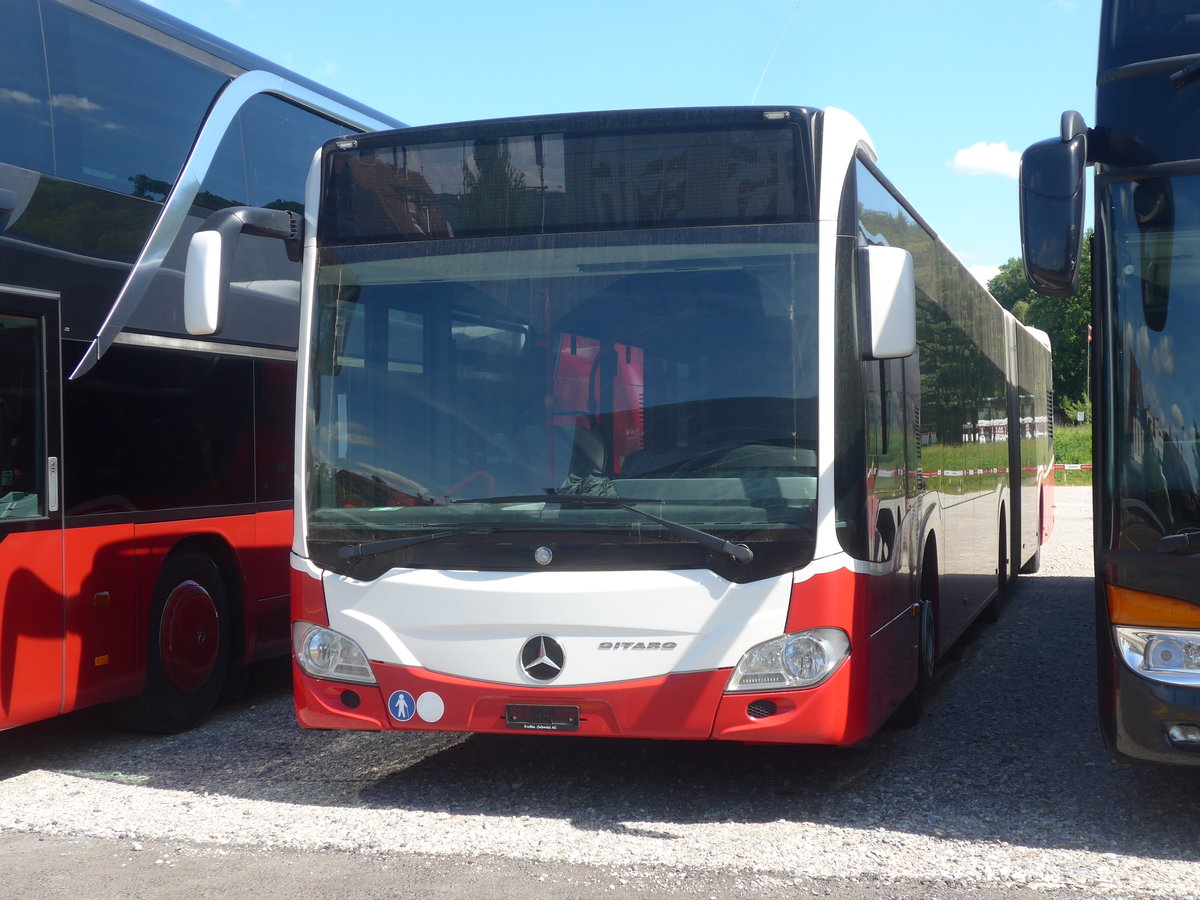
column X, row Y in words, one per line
column 265, row 156
column 263, row 160
column 157, row 429
column 83, row 220
column 658, row 364
column 21, row 422
column 274, row 399
column 1140, row 30
column 1154, row 267
column 125, row 111
column 281, row 140
column 961, row 423
column 24, row 102
column 548, row 183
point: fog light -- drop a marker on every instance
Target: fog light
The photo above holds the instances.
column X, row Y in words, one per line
column 1185, row 737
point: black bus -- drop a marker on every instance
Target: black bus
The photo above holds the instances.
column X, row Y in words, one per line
column 1145, row 147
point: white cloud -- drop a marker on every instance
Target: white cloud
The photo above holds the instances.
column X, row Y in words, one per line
column 986, row 159
column 8, row 95
column 74, row 102
column 984, row 274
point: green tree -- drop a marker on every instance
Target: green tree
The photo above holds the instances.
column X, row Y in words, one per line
column 494, row 195
column 1065, row 319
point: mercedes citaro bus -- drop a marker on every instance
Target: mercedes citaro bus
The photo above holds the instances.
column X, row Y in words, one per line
column 663, row 424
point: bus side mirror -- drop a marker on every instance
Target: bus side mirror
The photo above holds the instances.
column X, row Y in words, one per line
column 891, row 306
column 1053, row 191
column 205, row 283
column 210, row 259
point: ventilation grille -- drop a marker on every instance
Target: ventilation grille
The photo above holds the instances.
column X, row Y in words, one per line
column 761, row 709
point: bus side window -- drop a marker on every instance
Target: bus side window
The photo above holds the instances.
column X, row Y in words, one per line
column 876, row 378
column 93, row 119
column 20, row 418
column 25, row 123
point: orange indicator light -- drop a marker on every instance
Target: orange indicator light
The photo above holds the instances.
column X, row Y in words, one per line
column 1127, row 607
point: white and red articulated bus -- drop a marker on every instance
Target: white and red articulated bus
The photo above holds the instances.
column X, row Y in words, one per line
column 661, row 424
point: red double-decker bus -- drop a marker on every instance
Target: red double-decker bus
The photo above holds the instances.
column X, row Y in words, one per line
column 145, row 474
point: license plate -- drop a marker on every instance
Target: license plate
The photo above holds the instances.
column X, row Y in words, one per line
column 541, row 718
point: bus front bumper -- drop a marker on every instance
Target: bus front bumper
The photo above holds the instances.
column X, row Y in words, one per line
column 691, row 706
column 1156, row 722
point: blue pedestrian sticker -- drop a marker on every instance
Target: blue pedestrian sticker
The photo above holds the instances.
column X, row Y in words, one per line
column 402, row 706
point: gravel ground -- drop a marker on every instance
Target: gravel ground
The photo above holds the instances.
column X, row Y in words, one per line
column 1003, row 789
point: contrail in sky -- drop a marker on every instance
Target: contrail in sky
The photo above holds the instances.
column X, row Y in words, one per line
column 771, row 58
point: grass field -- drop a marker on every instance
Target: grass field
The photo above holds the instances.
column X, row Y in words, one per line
column 1073, row 446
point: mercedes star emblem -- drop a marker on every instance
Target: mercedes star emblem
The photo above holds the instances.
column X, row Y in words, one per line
column 542, row 658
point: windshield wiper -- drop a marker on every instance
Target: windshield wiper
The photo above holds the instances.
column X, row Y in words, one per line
column 1185, row 543
column 739, row 553
column 564, row 499
column 358, row 551
column 1186, row 75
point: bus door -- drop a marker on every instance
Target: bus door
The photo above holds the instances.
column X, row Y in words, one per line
column 31, row 537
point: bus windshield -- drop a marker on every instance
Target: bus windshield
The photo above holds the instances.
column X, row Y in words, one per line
column 1155, row 272
column 1141, row 31
column 458, row 385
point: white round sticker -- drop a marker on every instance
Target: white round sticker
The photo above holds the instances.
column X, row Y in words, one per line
column 430, row 707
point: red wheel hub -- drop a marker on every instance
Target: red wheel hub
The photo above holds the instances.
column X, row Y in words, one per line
column 190, row 639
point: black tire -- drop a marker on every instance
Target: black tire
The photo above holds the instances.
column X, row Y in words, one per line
column 187, row 647
column 991, row 612
column 908, row 713
column 1035, row 561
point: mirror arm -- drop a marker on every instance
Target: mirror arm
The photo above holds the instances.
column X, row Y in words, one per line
column 1071, row 125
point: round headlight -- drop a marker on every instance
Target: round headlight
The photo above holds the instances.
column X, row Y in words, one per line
column 1165, row 653
column 806, row 657
column 800, row 660
column 324, row 653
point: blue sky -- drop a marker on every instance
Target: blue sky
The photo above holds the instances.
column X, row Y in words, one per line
column 950, row 90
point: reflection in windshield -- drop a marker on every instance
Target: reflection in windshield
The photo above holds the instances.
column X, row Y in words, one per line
column 1156, row 276
column 680, row 372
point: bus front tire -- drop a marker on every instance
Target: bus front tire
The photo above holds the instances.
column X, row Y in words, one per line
column 908, row 712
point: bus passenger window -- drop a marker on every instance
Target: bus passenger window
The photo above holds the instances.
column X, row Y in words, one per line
column 20, row 417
